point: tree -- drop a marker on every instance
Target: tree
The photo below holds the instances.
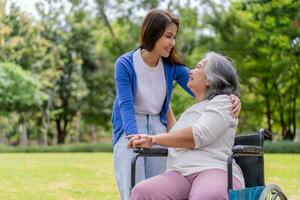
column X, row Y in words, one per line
column 22, row 44
column 20, row 91
column 261, row 37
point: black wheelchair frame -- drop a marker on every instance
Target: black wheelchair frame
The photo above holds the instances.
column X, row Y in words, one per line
column 248, row 154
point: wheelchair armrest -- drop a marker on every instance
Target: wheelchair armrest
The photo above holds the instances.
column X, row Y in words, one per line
column 238, row 151
column 156, row 151
column 247, row 150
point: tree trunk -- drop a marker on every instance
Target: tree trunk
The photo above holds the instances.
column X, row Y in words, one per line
column 93, row 135
column 295, row 102
column 101, row 5
column 3, row 137
column 23, row 132
column 61, row 137
column 62, row 119
column 77, row 127
column 46, row 120
column 284, row 128
column 61, row 132
column 46, row 127
column 268, row 107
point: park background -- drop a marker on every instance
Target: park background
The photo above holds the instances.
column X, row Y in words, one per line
column 57, row 88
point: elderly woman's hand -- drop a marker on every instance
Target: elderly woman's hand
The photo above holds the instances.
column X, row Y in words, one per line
column 139, row 141
column 236, row 106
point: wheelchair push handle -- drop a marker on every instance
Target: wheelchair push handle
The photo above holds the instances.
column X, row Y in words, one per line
column 266, row 133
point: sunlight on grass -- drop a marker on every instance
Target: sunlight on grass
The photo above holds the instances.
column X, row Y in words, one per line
column 89, row 176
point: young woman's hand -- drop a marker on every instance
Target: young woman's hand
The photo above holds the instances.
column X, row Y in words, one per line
column 236, row 106
column 139, row 141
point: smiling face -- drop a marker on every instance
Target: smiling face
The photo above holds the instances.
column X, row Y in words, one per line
column 197, row 79
column 166, row 42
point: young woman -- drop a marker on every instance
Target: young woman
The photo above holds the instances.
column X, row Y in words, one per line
column 144, row 83
column 197, row 163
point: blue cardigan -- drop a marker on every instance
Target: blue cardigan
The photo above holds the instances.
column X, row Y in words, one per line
column 123, row 114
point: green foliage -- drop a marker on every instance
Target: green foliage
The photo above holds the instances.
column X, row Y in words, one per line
column 181, row 101
column 102, row 147
column 269, row 147
column 260, row 41
column 21, row 41
column 19, row 89
column 282, row 147
column 67, row 57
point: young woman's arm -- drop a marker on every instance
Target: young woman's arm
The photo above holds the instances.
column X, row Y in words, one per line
column 125, row 96
column 182, row 77
column 170, row 118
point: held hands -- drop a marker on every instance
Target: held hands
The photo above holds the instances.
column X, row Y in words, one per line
column 236, row 106
column 140, row 141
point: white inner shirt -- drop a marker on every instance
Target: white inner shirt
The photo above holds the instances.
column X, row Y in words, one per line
column 151, row 85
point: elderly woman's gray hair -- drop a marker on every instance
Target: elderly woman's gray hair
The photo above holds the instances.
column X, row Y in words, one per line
column 221, row 75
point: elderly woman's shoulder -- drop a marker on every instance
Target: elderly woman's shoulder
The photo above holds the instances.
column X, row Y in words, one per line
column 222, row 100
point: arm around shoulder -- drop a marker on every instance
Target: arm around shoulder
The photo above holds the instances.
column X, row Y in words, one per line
column 171, row 120
column 182, row 77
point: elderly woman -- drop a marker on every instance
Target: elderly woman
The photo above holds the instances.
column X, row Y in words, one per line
column 200, row 141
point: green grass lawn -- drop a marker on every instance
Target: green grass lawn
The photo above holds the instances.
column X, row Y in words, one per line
column 284, row 170
column 59, row 176
column 89, row 176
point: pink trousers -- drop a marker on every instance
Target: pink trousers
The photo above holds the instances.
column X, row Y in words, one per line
column 206, row 185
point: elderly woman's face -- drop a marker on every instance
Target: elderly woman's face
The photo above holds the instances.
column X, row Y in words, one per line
column 197, row 79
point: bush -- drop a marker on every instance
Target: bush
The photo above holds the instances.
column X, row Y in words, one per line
column 281, row 147
column 269, row 147
column 58, row 148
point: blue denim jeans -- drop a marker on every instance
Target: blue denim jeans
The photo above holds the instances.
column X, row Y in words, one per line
column 145, row 167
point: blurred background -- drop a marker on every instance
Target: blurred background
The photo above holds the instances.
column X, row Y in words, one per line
column 57, row 63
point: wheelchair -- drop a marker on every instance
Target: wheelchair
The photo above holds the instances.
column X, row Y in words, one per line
column 248, row 154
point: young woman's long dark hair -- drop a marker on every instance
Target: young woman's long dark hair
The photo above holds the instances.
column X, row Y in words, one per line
column 154, row 26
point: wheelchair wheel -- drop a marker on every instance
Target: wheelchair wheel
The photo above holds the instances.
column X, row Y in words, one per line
column 272, row 192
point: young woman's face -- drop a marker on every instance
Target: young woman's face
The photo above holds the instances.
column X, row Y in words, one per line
column 197, row 78
column 166, row 42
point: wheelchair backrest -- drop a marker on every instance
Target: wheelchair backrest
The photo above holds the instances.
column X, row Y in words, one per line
column 252, row 167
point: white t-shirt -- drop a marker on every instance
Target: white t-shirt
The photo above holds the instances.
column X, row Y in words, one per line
column 151, row 85
column 213, row 132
